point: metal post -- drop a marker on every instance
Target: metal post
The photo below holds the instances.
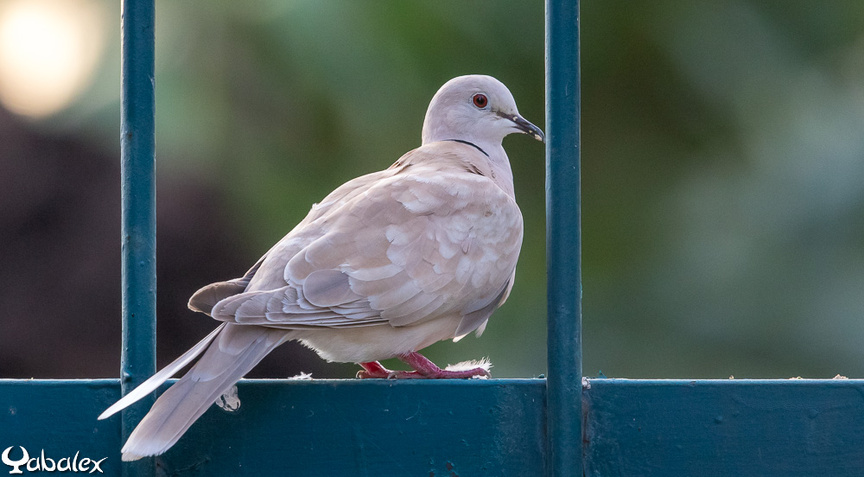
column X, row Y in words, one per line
column 138, row 190
column 563, row 241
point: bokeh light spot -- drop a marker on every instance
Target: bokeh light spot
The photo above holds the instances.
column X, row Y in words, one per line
column 49, row 50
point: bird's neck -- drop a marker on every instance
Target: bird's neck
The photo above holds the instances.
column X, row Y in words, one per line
column 496, row 163
column 500, row 164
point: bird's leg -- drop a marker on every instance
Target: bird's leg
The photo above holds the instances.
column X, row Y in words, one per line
column 373, row 370
column 423, row 369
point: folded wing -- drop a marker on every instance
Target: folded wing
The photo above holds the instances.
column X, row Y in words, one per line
column 409, row 246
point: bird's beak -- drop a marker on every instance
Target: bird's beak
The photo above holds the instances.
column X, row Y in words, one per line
column 524, row 126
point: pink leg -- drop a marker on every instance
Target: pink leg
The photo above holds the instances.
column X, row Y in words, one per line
column 373, row 370
column 423, row 369
column 427, row 369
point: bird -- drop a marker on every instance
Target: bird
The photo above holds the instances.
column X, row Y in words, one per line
column 384, row 266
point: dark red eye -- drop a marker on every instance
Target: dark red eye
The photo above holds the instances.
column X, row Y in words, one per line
column 480, row 100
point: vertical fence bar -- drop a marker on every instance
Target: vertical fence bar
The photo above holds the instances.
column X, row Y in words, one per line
column 138, row 190
column 563, row 240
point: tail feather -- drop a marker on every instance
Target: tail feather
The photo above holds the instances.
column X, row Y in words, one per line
column 232, row 354
column 163, row 375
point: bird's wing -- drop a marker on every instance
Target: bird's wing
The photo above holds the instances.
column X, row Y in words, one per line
column 429, row 238
column 206, row 297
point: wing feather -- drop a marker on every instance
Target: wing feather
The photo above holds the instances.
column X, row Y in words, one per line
column 397, row 247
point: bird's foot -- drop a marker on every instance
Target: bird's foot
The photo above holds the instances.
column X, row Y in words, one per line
column 424, row 369
column 428, row 370
column 374, row 370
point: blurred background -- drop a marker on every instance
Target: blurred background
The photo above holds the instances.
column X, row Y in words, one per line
column 723, row 171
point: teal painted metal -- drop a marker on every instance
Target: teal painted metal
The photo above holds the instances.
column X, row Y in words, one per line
column 725, row 427
column 349, row 427
column 306, row 428
column 480, row 427
column 563, row 240
column 138, row 189
column 59, row 418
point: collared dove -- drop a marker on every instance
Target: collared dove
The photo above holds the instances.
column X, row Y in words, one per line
column 386, row 265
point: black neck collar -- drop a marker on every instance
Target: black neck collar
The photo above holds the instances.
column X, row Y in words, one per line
column 470, row 144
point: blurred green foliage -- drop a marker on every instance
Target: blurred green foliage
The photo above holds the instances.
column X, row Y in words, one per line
column 723, row 158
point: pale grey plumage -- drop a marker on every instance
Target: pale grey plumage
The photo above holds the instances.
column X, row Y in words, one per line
column 385, row 265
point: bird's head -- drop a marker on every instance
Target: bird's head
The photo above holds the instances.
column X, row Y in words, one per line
column 477, row 109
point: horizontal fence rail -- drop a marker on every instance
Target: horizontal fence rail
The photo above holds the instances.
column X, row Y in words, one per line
column 480, row 427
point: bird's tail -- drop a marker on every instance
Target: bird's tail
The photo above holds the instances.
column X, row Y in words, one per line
column 233, row 350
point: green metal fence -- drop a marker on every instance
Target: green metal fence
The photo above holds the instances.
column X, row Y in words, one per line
column 524, row 427
column 138, row 203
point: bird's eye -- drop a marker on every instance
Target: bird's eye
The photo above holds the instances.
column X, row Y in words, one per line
column 480, row 100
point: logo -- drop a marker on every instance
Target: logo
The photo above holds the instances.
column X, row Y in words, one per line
column 47, row 464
